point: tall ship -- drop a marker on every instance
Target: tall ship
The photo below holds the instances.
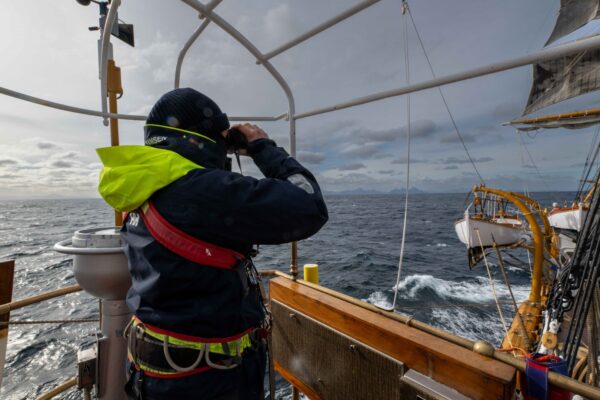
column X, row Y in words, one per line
column 325, row 344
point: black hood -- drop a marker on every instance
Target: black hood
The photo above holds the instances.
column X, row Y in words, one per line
column 189, row 123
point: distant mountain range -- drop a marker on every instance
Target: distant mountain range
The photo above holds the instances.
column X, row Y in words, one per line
column 360, row 191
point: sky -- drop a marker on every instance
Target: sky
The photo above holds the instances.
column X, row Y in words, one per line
column 48, row 52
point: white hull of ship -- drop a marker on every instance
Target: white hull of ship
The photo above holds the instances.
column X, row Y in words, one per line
column 567, row 218
column 477, row 233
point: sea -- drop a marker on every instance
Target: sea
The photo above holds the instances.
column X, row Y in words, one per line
column 357, row 252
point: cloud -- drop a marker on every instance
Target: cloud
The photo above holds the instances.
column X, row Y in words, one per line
column 455, row 160
column 310, row 157
column 46, row 145
column 279, row 22
column 381, row 136
column 506, row 111
column 62, row 164
column 360, row 150
column 30, row 170
column 386, row 171
column 352, row 167
column 402, row 160
column 8, row 161
column 451, row 167
column 528, row 166
column 420, row 129
column 453, row 138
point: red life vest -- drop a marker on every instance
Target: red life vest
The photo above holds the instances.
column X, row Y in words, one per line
column 198, row 251
column 184, row 245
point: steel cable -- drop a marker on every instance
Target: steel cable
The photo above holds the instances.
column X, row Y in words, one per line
column 444, row 99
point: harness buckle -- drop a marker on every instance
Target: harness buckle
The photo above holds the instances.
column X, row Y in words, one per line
column 139, row 331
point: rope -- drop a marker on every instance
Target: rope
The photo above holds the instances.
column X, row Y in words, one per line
column 47, row 321
column 512, row 296
column 444, row 99
column 533, row 163
column 459, row 305
column 587, row 169
column 404, row 224
column 487, row 267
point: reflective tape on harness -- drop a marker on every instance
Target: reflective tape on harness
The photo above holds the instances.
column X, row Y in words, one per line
column 150, row 350
column 184, row 245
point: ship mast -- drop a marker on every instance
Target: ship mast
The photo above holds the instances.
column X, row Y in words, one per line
column 110, row 74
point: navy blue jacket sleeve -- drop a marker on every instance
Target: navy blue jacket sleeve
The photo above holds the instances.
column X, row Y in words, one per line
column 233, row 210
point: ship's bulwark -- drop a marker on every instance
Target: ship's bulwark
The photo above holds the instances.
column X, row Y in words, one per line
column 357, row 252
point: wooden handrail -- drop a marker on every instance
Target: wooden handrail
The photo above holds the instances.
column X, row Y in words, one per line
column 8, row 307
column 58, row 390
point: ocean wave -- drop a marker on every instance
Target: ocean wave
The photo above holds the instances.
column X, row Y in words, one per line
column 419, row 287
column 470, row 324
column 379, row 299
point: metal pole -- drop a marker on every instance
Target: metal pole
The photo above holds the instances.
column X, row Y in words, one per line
column 538, row 239
column 518, row 316
column 209, row 14
column 191, row 41
column 94, row 113
column 319, row 28
column 7, row 274
column 114, row 88
column 542, row 55
column 294, row 262
column 105, row 48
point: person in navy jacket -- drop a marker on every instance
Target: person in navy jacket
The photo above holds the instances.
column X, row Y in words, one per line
column 180, row 302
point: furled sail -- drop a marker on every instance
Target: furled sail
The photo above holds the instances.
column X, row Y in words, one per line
column 561, row 79
column 573, row 15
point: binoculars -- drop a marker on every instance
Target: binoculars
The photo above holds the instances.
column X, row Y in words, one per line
column 235, row 141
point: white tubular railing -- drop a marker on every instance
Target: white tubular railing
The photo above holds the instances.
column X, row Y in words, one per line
column 220, row 22
column 94, row 113
column 319, row 28
column 65, row 107
column 104, row 47
column 211, row 6
column 542, row 55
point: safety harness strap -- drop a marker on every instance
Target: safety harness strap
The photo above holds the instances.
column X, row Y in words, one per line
column 184, row 245
column 164, row 354
column 182, row 339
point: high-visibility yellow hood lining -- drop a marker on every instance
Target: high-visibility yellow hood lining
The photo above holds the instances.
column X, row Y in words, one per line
column 131, row 174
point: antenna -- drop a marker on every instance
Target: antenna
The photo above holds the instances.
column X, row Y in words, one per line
column 121, row 31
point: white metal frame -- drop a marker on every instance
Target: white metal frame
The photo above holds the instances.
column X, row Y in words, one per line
column 208, row 13
column 211, row 6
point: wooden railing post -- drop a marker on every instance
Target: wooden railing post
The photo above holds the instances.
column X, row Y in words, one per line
column 7, row 273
